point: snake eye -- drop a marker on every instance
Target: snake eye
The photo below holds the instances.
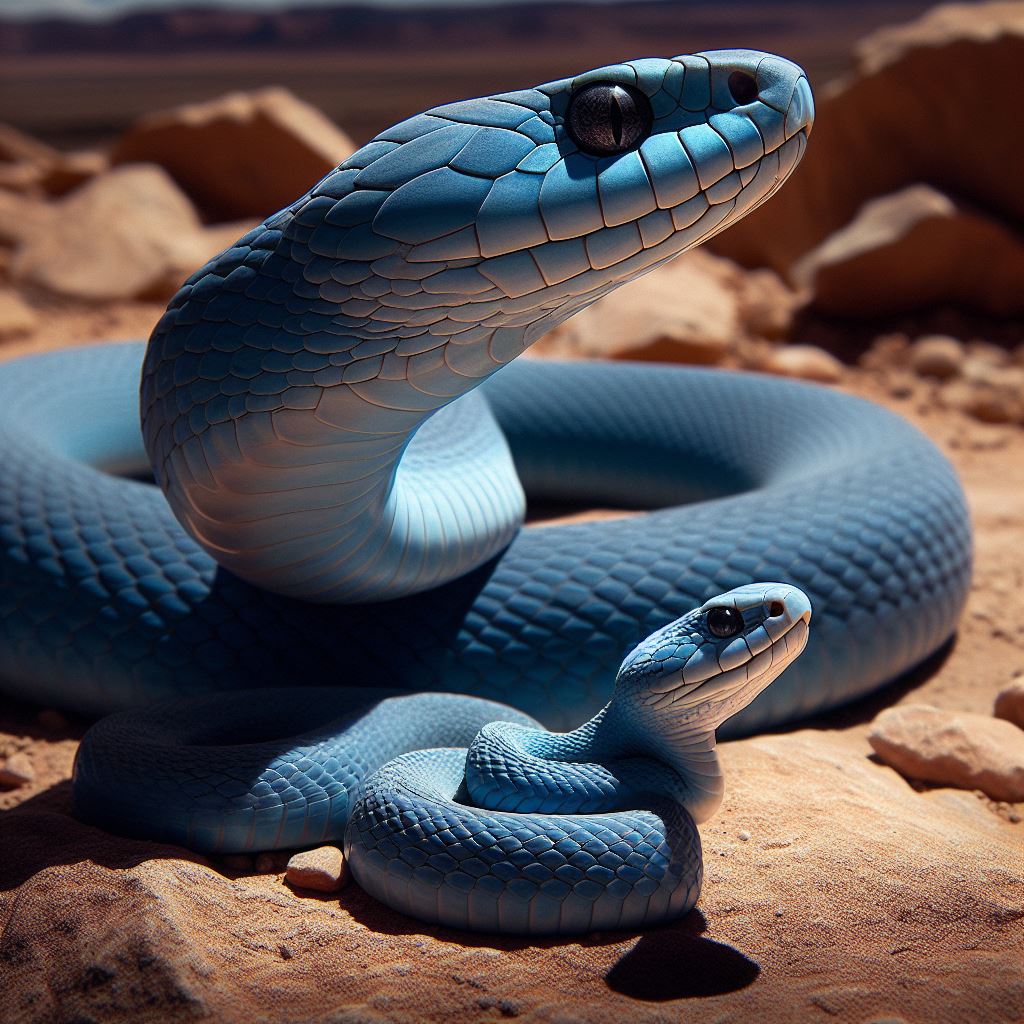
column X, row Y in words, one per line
column 724, row 622
column 743, row 87
column 606, row 118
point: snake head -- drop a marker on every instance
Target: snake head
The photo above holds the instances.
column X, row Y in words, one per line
column 489, row 221
column 709, row 664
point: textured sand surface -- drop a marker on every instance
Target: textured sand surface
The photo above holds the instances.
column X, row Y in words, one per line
column 834, row 889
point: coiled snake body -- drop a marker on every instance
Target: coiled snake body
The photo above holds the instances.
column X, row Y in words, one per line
column 352, row 507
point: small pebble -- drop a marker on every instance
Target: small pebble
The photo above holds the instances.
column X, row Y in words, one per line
column 807, row 362
column 322, row 869
column 17, row 771
column 778, row 911
column 743, row 836
column 286, row 952
column 937, row 356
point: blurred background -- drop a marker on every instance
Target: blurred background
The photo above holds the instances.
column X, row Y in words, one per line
column 138, row 137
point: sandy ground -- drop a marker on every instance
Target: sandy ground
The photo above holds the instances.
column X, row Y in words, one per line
column 834, row 888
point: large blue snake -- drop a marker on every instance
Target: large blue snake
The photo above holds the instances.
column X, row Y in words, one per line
column 342, row 496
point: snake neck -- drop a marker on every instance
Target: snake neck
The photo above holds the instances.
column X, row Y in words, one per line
column 604, row 765
column 323, row 456
column 687, row 748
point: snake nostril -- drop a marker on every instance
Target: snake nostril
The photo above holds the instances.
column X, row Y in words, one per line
column 743, row 87
column 775, row 609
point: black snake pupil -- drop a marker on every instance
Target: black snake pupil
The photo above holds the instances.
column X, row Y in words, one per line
column 724, row 622
column 615, row 115
column 606, row 118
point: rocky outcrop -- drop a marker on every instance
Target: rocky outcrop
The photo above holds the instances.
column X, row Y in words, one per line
column 934, row 101
column 912, row 250
column 130, row 233
column 259, row 150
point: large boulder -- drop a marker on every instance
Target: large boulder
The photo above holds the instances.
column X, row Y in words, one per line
column 241, row 155
column 934, row 101
column 911, row 250
column 130, row 233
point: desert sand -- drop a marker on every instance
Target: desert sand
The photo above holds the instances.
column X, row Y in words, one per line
column 835, row 887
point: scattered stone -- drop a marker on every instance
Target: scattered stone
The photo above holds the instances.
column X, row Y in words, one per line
column 886, row 351
column 322, row 869
column 1010, row 703
column 17, row 771
column 990, row 397
column 950, row 748
column 260, row 150
column 937, row 356
column 743, row 836
column 16, row 317
column 127, row 234
column 807, row 362
column 913, row 249
column 961, row 59
column 285, row 952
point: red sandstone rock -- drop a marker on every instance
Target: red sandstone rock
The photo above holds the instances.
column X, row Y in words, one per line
column 933, row 101
column 911, row 250
column 129, row 233
column 240, row 155
column 952, row 748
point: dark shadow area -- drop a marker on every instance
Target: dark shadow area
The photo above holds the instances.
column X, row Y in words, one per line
column 677, row 962
column 42, row 832
column 19, row 718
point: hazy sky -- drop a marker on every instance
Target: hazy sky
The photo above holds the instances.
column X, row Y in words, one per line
column 105, row 8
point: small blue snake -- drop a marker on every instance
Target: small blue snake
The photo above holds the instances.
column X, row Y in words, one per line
column 342, row 477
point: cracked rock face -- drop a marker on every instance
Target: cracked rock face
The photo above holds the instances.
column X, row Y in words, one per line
column 962, row 59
